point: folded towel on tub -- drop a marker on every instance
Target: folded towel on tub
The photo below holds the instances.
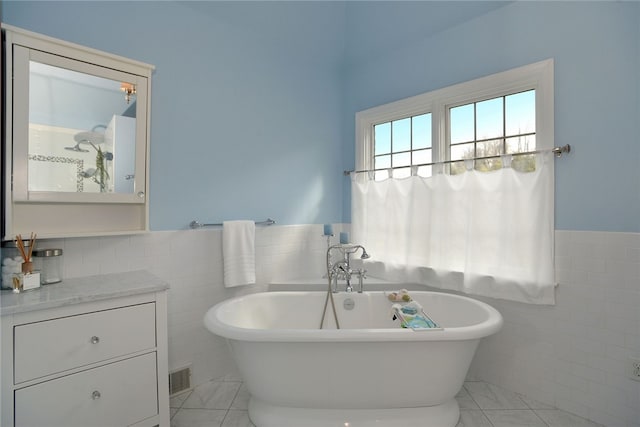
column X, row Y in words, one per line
column 238, row 253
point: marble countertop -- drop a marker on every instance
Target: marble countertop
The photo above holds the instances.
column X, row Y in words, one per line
column 80, row 290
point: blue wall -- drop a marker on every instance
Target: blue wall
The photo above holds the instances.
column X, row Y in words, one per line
column 597, row 68
column 254, row 102
column 246, row 108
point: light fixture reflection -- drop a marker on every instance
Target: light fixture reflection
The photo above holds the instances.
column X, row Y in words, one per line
column 128, row 89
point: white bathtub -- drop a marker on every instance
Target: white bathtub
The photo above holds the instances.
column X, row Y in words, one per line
column 370, row 372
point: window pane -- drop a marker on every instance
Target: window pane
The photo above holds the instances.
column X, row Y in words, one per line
column 381, row 175
column 525, row 163
column 489, row 148
column 421, row 157
column 382, row 162
column 462, row 151
column 425, row 171
column 402, row 173
column 382, row 135
column 421, row 131
column 489, row 119
column 520, row 144
column 457, row 168
column 487, row 165
column 462, row 124
column 402, row 159
column 521, row 113
column 401, row 134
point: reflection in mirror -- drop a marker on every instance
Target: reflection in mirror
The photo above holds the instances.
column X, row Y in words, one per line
column 82, row 131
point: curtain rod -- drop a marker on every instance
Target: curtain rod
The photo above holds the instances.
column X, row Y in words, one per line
column 558, row 151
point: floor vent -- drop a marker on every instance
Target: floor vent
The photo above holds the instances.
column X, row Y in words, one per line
column 179, row 380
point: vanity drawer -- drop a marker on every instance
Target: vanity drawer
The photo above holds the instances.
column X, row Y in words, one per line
column 52, row 346
column 118, row 394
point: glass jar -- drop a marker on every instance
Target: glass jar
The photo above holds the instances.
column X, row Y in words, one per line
column 49, row 262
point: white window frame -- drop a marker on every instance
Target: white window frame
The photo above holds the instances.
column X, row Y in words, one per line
column 538, row 76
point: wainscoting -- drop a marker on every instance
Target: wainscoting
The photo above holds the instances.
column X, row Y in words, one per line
column 572, row 356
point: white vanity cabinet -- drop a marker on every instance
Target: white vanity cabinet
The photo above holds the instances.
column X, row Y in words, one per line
column 86, row 357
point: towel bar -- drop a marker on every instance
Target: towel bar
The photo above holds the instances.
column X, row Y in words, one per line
column 196, row 224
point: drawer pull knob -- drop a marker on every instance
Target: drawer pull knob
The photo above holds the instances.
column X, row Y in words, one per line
column 95, row 340
column 95, row 395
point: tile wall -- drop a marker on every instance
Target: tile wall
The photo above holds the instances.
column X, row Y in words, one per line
column 575, row 355
column 572, row 355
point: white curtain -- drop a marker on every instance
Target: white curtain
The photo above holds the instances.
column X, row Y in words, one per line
column 482, row 233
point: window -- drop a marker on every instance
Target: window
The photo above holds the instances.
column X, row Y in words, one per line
column 399, row 144
column 487, row 234
column 500, row 125
column 505, row 113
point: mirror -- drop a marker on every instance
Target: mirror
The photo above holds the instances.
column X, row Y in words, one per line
column 85, row 130
column 75, row 140
column 81, row 132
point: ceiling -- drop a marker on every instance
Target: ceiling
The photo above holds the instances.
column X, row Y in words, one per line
column 342, row 30
column 383, row 25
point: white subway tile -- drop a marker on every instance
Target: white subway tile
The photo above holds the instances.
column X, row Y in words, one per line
column 572, row 354
column 597, row 327
column 79, row 268
column 631, row 240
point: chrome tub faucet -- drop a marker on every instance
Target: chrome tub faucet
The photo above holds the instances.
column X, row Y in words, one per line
column 341, row 270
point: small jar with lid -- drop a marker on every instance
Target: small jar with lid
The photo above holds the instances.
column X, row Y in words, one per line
column 49, row 262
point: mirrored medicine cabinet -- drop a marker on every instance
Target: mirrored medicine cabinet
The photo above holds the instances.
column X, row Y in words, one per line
column 75, row 139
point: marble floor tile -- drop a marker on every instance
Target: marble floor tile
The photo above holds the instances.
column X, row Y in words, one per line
column 177, row 400
column 225, row 403
column 514, row 418
column 237, row 418
column 489, row 396
column 558, row 418
column 241, row 401
column 465, row 401
column 534, row 404
column 473, row 418
column 212, row 395
column 232, row 377
column 198, row 418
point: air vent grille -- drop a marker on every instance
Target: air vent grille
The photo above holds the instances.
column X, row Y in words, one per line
column 179, row 380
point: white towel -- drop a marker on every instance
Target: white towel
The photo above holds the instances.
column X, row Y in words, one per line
column 239, row 253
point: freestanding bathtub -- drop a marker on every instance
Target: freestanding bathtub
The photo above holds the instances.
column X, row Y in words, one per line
column 370, row 372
